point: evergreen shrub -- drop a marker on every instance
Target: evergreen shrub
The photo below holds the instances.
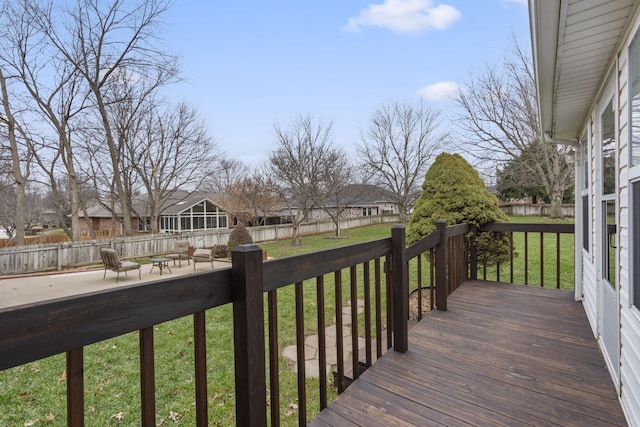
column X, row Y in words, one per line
column 239, row 236
column 453, row 191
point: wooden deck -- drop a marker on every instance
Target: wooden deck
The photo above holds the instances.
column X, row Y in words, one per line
column 502, row 355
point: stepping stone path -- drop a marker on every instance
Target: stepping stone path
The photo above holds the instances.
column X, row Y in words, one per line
column 311, row 353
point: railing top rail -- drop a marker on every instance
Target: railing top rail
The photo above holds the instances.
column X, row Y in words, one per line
column 423, row 245
column 531, row 228
column 294, row 269
column 457, row 229
column 34, row 331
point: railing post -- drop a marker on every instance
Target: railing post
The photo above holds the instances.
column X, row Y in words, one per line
column 441, row 266
column 400, row 286
column 248, row 336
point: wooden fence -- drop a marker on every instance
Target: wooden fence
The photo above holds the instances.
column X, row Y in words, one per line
column 36, row 258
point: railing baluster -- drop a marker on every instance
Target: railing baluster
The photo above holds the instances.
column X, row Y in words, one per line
column 147, row 377
column 302, row 385
column 367, row 313
column 526, row 258
column 200, row 356
column 322, row 347
column 511, row 257
column 557, row 260
column 339, row 335
column 75, row 387
column 419, row 263
column 274, row 358
column 387, row 271
column 355, row 356
column 432, row 279
column 378, row 308
column 498, row 237
column 542, row 260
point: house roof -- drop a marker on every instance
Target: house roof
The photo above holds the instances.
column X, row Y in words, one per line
column 181, row 204
column 574, row 42
column 178, row 202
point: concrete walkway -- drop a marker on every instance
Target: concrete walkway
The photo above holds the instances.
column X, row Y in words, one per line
column 311, row 353
column 39, row 287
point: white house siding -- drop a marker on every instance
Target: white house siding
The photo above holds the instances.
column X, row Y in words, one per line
column 589, row 300
column 589, row 276
column 629, row 315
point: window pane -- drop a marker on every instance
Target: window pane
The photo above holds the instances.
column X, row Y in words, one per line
column 585, row 222
column 634, row 77
column 607, row 127
column 609, row 242
column 185, row 223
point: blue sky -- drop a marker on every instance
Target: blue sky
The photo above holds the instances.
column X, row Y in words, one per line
column 250, row 64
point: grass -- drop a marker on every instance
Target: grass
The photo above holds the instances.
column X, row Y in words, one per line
column 34, row 394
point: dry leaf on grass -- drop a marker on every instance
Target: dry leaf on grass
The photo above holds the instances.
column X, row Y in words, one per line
column 118, row 416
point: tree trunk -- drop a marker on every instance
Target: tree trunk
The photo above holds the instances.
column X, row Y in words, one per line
column 18, row 176
column 556, row 203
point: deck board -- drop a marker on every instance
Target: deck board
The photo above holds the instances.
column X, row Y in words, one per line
column 501, row 354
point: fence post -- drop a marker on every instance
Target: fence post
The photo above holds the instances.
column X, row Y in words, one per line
column 248, row 336
column 441, row 266
column 400, row 286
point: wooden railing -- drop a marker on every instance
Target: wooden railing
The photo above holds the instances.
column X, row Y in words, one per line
column 530, row 262
column 378, row 272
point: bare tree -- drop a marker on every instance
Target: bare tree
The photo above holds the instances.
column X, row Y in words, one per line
column 169, row 149
column 51, row 94
column 297, row 164
column 20, row 155
column 228, row 173
column 398, row 146
column 501, row 122
column 335, row 190
column 76, row 64
column 251, row 199
column 109, row 45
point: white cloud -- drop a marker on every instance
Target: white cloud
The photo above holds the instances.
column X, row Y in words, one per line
column 439, row 91
column 522, row 2
column 405, row 16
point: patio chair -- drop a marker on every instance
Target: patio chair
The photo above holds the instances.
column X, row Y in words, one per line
column 202, row 255
column 112, row 262
column 180, row 252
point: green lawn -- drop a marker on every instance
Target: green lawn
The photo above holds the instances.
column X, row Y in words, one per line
column 34, row 394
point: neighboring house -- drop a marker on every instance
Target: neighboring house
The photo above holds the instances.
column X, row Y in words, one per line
column 184, row 212
column 195, row 212
column 587, row 65
column 360, row 200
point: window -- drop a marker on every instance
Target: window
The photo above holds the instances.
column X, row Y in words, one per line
column 608, row 176
column 634, row 88
column 185, row 223
column 144, row 224
column 586, row 206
